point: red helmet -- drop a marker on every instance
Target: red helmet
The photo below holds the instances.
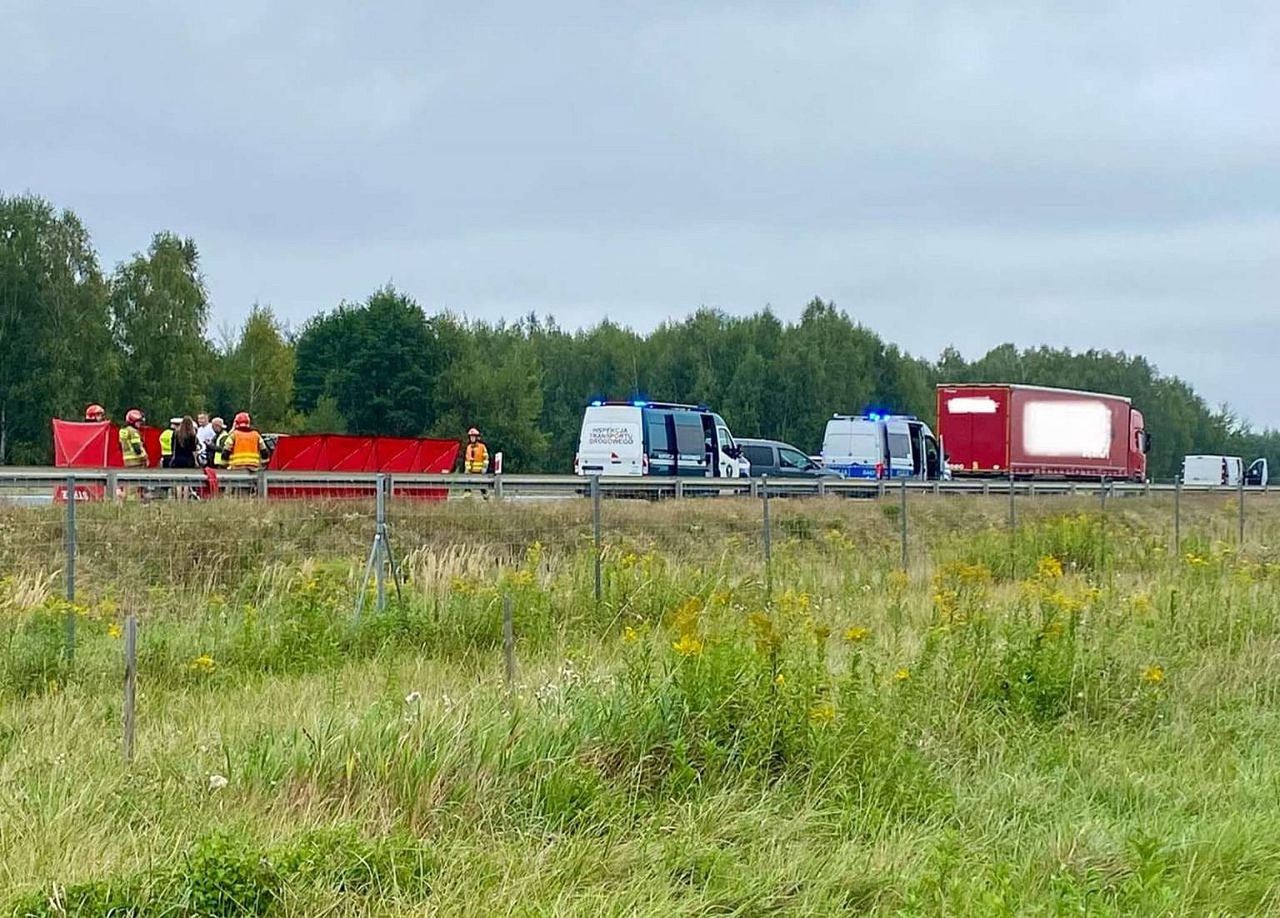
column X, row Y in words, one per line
column 473, row 432
column 95, row 412
column 134, row 417
column 242, row 420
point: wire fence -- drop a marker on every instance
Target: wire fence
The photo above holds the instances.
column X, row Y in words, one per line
column 187, row 586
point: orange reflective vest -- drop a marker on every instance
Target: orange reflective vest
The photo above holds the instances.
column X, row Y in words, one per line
column 246, row 450
column 476, row 459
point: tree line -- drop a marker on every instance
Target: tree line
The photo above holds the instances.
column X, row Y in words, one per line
column 139, row 336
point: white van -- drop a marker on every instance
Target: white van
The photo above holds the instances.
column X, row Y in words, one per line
column 656, row 438
column 881, row 446
column 1216, row 471
column 1222, row 471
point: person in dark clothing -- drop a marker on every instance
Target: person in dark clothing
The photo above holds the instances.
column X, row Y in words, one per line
column 186, row 445
column 187, row 451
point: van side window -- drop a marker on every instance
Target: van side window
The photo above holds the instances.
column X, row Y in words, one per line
column 689, row 437
column 658, row 433
column 759, row 456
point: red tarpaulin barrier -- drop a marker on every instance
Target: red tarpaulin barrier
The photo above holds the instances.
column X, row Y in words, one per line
column 96, row 445
column 347, row 453
column 86, row 445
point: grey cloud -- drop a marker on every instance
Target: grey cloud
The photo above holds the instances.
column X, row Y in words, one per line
column 1096, row 175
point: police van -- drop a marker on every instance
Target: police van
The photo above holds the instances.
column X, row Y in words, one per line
column 877, row 446
column 656, row 438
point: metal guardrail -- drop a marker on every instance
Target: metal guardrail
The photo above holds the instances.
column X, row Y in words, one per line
column 350, row 484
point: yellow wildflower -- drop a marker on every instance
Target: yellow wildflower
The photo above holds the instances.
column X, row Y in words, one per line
column 822, row 713
column 113, row 630
column 461, row 586
column 1048, row 568
column 630, row 635
column 767, row 637
column 201, row 664
column 779, row 680
column 522, row 578
column 1153, row 675
column 1054, row 628
column 1141, row 603
column 685, row 617
column 856, row 634
column 902, row 675
column 1194, row 560
column 898, row 580
column 687, row 646
column 791, row 602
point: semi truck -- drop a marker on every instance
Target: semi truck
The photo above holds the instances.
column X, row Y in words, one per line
column 1011, row 430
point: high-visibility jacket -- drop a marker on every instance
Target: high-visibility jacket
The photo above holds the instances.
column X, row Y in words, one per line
column 166, row 443
column 220, row 448
column 131, row 445
column 476, row 458
column 247, row 450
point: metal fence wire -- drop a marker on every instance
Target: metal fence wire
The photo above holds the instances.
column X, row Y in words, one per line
column 156, row 547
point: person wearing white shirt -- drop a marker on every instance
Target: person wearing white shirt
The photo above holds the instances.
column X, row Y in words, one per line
column 205, row 434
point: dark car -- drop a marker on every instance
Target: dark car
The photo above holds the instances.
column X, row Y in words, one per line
column 780, row 460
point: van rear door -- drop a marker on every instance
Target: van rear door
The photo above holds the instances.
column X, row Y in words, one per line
column 611, row 442
column 854, row 447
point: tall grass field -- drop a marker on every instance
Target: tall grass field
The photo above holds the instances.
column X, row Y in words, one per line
column 1072, row 715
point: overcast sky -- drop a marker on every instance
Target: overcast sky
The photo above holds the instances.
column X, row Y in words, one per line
column 1090, row 175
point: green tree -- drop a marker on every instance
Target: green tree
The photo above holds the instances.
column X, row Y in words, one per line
column 378, row 362
column 159, row 308
column 255, row 373
column 56, row 353
column 495, row 384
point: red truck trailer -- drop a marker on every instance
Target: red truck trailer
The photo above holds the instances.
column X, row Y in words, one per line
column 996, row 429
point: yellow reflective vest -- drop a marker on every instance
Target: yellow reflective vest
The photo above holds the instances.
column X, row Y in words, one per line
column 135, row 453
column 220, row 445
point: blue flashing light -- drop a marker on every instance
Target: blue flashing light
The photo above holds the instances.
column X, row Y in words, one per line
column 596, row 403
column 874, row 415
column 639, row 403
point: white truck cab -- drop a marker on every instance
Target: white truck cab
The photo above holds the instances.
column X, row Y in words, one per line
column 656, row 438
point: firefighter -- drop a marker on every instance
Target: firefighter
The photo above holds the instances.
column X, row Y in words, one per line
column 475, row 459
column 95, row 412
column 166, row 442
column 131, row 445
column 245, row 449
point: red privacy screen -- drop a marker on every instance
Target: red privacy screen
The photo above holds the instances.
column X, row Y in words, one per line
column 96, row 445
